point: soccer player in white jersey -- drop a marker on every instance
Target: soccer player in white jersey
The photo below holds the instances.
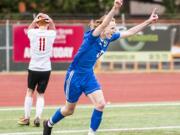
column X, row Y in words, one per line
column 41, row 33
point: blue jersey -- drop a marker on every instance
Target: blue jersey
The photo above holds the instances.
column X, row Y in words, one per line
column 91, row 49
column 80, row 77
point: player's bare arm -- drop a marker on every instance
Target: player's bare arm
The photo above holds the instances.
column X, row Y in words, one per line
column 51, row 23
column 108, row 18
column 36, row 19
column 152, row 19
column 33, row 24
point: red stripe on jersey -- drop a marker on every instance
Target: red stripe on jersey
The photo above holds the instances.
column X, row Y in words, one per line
column 43, row 44
column 40, row 43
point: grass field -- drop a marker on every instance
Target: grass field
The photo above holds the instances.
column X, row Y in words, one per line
column 122, row 119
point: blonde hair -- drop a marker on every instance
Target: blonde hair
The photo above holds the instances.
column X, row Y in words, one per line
column 42, row 22
column 95, row 23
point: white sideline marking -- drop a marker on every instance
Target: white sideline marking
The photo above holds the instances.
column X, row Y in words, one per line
column 108, row 106
column 100, row 130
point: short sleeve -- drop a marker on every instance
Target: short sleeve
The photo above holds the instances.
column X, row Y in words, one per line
column 88, row 35
column 52, row 33
column 115, row 36
column 31, row 33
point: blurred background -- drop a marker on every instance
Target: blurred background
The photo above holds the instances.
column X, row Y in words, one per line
column 156, row 47
column 14, row 9
column 139, row 75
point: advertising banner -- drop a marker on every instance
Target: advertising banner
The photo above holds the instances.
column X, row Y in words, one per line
column 67, row 43
column 151, row 44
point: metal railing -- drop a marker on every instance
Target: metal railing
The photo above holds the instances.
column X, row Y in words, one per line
column 7, row 64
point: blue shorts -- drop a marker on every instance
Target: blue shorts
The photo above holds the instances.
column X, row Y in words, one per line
column 77, row 83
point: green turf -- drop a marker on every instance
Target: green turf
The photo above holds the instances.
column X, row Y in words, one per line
column 126, row 117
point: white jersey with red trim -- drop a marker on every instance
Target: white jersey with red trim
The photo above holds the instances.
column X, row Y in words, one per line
column 41, row 44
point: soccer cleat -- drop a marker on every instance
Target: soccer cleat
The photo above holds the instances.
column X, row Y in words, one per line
column 47, row 129
column 37, row 122
column 91, row 132
column 23, row 121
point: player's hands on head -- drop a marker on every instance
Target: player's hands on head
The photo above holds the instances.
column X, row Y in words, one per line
column 38, row 17
column 47, row 18
column 154, row 16
column 118, row 3
column 42, row 16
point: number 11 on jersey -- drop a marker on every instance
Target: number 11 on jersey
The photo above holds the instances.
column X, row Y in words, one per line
column 41, row 44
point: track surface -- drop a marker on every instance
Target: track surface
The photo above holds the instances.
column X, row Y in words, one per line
column 117, row 87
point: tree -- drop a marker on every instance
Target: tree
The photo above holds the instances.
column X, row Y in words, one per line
column 86, row 7
column 170, row 6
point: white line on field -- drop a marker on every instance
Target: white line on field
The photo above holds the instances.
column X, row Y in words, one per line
column 108, row 106
column 100, row 130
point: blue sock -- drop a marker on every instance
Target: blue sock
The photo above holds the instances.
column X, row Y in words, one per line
column 96, row 119
column 56, row 117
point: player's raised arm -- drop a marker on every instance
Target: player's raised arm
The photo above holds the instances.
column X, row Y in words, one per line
column 51, row 23
column 36, row 19
column 152, row 19
column 108, row 17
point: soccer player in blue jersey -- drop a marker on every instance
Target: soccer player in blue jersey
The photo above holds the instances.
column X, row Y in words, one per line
column 80, row 76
